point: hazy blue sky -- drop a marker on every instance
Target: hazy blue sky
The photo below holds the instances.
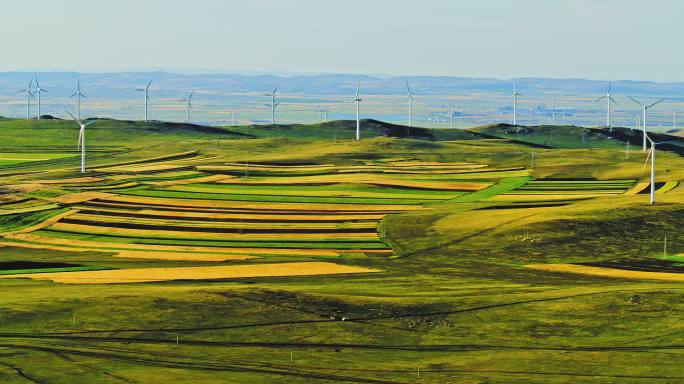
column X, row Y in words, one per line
column 622, row 39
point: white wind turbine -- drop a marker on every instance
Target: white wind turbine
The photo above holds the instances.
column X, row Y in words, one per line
column 324, row 113
column 188, row 107
column 78, row 95
column 81, row 138
column 609, row 99
column 410, row 116
column 38, row 91
column 515, row 104
column 357, row 100
column 29, row 94
column 273, row 104
column 147, row 96
column 645, row 112
column 652, row 153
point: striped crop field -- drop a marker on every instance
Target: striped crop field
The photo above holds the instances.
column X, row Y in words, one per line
column 564, row 190
column 189, row 207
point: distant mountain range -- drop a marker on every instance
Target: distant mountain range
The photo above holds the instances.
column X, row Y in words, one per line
column 121, row 85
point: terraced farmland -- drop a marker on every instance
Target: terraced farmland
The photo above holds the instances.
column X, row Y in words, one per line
column 308, row 259
column 256, row 216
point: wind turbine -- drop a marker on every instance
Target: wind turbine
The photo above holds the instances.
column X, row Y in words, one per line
column 553, row 111
column 81, row 138
column 78, row 95
column 410, row 117
column 610, row 99
column 273, row 104
column 323, row 113
column 645, row 111
column 651, row 153
column 515, row 103
column 451, row 117
column 357, row 100
column 188, row 107
column 147, row 96
column 39, row 90
column 29, row 94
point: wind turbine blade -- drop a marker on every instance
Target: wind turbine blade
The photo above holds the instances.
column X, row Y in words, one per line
column 648, row 156
column 358, row 84
column 650, row 105
column 74, row 117
column 601, row 98
column 609, row 84
column 408, row 89
column 275, row 90
column 635, row 100
column 73, row 94
column 148, row 85
column 89, row 123
column 613, row 100
column 191, row 93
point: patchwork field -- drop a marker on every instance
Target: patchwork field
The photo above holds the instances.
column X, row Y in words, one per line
column 211, row 254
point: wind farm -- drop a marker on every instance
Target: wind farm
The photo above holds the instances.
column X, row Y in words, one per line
column 490, row 225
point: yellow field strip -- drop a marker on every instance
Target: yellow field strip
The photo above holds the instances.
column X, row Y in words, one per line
column 234, row 216
column 196, row 273
column 73, row 180
column 79, row 197
column 541, row 197
column 608, row 272
column 670, row 185
column 223, row 225
column 373, row 179
column 44, row 224
column 106, row 187
column 264, row 205
column 225, row 189
column 192, row 180
column 144, row 168
column 137, row 254
column 174, row 156
column 105, row 230
column 413, row 163
column 35, row 208
column 636, row 189
column 189, row 249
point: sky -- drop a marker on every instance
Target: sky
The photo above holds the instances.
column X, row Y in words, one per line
column 599, row 39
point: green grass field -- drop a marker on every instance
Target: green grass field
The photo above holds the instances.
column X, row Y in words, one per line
column 447, row 220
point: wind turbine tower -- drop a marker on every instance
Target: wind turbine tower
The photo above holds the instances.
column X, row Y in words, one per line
column 81, row 138
column 515, row 104
column 147, row 96
column 273, row 104
column 652, row 153
column 29, row 94
column 609, row 99
column 410, row 116
column 38, row 91
column 78, row 95
column 357, row 100
column 188, row 107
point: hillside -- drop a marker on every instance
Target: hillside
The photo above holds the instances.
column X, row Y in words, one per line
column 570, row 136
